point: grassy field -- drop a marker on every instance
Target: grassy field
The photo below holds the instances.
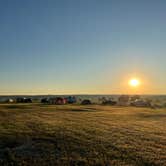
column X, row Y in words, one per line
column 38, row 134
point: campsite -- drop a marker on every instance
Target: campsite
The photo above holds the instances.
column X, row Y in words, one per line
column 47, row 134
column 82, row 83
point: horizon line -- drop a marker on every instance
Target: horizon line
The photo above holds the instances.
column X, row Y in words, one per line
column 82, row 94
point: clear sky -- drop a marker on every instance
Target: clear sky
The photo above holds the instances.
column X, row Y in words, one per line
column 82, row 46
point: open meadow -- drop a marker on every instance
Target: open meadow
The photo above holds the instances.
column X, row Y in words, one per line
column 39, row 134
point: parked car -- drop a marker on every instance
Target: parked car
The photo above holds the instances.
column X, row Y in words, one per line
column 23, row 100
column 86, row 102
column 57, row 100
column 45, row 100
column 140, row 103
column 109, row 102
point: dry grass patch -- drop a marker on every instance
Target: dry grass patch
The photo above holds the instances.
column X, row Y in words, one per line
column 34, row 134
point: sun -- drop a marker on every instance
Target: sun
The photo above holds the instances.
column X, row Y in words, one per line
column 134, row 82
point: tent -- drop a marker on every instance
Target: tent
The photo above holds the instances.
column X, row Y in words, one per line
column 123, row 100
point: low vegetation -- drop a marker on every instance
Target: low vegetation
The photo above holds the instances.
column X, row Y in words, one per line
column 38, row 134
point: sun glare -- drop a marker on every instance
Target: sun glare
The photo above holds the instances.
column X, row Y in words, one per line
column 134, row 82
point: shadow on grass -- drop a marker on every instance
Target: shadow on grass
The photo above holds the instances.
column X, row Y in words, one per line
column 65, row 146
column 16, row 106
column 83, row 110
column 152, row 116
column 11, row 142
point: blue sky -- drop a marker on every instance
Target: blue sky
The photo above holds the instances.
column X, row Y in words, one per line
column 82, row 46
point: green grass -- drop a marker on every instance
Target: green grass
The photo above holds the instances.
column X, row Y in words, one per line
column 35, row 134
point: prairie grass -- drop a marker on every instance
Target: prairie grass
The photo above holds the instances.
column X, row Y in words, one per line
column 36, row 134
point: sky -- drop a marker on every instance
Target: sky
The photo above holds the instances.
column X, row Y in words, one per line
column 82, row 46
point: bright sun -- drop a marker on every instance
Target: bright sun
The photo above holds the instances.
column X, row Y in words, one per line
column 134, row 82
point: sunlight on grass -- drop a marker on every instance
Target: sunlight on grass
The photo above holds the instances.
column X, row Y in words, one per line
column 87, row 135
